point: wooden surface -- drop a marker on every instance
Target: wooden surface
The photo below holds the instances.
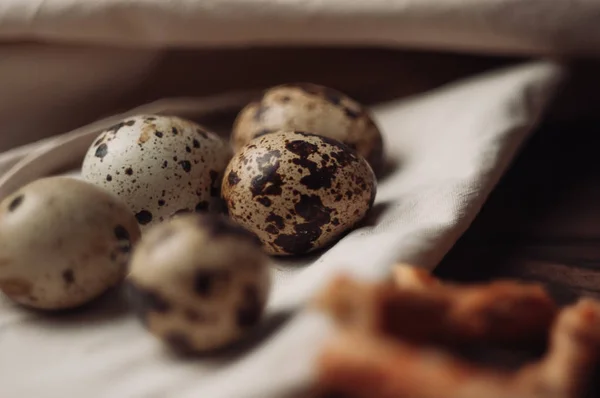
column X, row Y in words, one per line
column 542, row 223
column 543, row 220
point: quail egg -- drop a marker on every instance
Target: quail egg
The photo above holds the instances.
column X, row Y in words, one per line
column 315, row 109
column 63, row 242
column 297, row 191
column 159, row 165
column 198, row 282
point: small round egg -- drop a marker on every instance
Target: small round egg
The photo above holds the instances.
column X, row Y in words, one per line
column 297, row 191
column 198, row 282
column 315, row 109
column 159, row 165
column 63, row 242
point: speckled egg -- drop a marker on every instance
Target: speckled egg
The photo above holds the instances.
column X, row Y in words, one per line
column 199, row 282
column 297, row 191
column 63, row 242
column 312, row 108
column 159, row 165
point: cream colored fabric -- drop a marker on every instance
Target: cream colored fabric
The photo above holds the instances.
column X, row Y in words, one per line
column 452, row 124
column 490, row 25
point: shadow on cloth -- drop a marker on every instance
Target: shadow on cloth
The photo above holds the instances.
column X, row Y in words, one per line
column 113, row 304
column 105, row 308
column 270, row 324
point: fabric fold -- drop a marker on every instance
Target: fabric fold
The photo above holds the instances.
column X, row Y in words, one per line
column 498, row 26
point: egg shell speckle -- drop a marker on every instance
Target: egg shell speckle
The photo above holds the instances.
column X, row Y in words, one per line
column 159, row 165
column 63, row 242
column 199, row 282
column 315, row 109
column 296, row 191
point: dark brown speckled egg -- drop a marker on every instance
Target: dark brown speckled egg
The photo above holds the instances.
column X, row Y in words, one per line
column 297, row 191
column 315, row 109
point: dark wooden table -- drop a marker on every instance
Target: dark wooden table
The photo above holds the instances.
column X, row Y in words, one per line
column 542, row 222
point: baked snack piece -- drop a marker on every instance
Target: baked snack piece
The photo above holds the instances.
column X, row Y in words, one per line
column 372, row 358
column 421, row 309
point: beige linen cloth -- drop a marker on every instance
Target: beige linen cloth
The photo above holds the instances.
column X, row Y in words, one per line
column 452, row 125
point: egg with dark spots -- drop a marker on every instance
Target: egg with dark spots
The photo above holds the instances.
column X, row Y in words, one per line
column 159, row 165
column 199, row 282
column 301, row 193
column 315, row 109
column 63, row 242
